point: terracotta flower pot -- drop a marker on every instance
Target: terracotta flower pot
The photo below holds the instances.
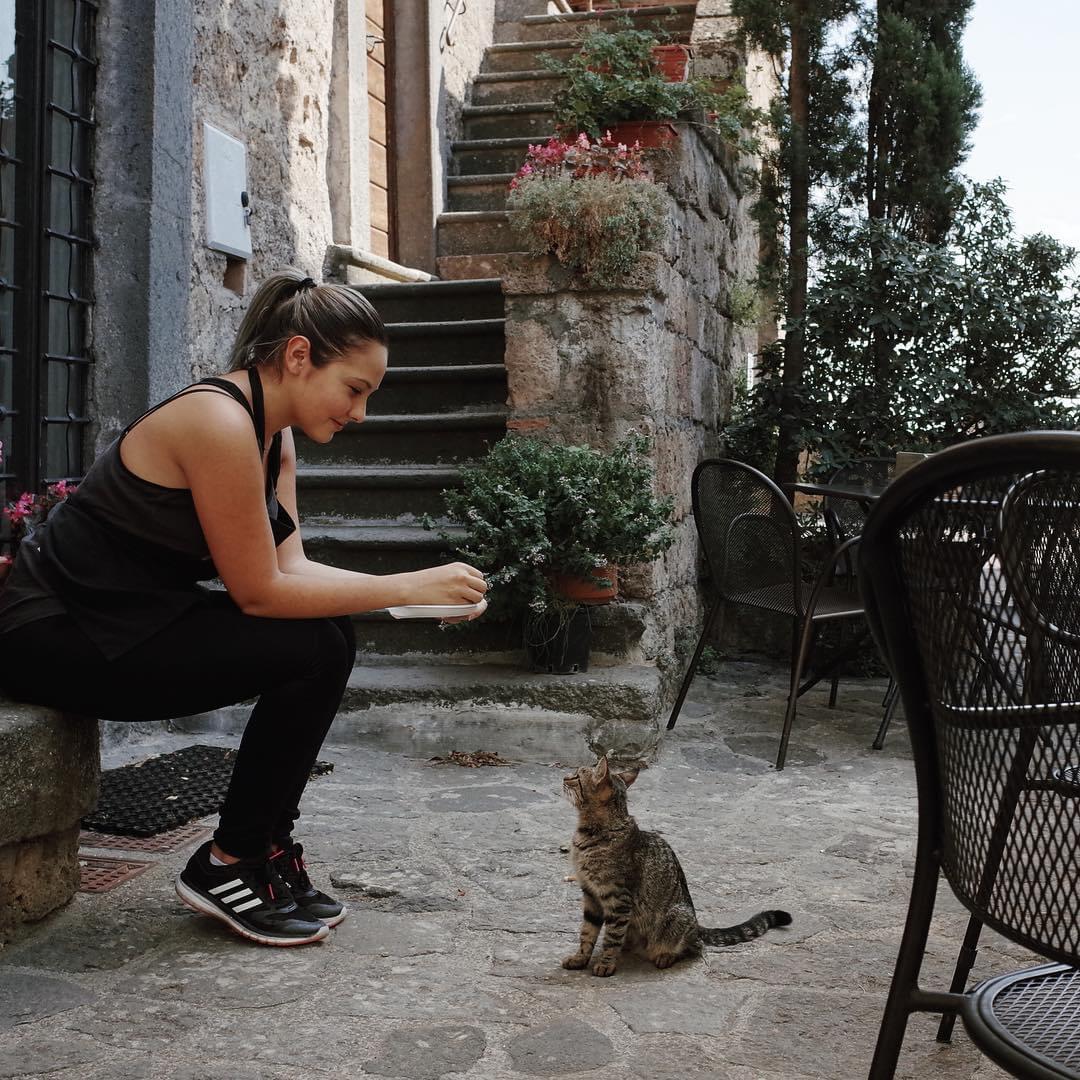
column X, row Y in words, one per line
column 651, row 134
column 672, row 61
column 583, row 591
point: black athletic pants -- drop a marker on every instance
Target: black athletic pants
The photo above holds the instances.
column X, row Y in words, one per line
column 211, row 657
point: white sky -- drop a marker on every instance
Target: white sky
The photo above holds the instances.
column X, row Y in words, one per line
column 1025, row 55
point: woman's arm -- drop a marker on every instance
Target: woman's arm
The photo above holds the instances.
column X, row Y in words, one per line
column 222, row 468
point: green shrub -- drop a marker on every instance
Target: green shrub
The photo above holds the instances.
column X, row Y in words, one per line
column 534, row 508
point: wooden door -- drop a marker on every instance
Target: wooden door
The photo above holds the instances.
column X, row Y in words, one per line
column 380, row 111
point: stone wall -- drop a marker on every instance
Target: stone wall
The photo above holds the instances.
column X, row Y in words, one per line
column 656, row 355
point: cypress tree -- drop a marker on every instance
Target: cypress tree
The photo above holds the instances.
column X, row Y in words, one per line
column 921, row 111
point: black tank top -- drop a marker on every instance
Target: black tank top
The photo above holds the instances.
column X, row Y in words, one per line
column 122, row 555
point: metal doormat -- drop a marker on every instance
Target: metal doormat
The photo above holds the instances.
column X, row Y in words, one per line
column 161, row 844
column 158, row 794
column 97, row 874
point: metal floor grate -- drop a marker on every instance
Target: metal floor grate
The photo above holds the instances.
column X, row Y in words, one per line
column 156, row 795
column 98, row 874
column 160, row 844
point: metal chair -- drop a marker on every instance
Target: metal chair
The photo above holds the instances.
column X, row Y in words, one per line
column 751, row 542
column 844, row 519
column 970, row 569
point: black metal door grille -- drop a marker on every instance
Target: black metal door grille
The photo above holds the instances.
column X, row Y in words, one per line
column 46, row 184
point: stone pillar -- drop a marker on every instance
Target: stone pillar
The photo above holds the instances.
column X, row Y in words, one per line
column 49, row 767
column 142, row 208
column 657, row 356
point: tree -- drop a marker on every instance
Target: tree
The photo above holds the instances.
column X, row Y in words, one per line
column 810, row 135
column 921, row 109
column 986, row 328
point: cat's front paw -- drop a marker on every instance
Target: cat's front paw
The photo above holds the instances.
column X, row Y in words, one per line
column 604, row 968
column 665, row 960
column 576, row 962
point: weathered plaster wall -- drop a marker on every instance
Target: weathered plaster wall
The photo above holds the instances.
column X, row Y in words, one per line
column 262, row 73
column 654, row 356
column 473, row 32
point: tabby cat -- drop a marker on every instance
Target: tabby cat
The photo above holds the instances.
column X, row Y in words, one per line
column 632, row 883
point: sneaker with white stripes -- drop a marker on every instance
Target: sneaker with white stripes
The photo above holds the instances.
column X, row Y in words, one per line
column 249, row 897
column 293, row 870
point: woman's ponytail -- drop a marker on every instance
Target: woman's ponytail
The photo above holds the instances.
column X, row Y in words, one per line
column 332, row 317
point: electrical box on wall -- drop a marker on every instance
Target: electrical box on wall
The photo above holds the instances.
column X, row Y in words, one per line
column 227, row 202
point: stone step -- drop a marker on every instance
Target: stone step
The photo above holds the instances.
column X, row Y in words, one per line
column 506, row 120
column 438, row 707
column 498, row 87
column 452, row 267
column 525, row 55
column 475, row 156
column 478, row 192
column 441, row 301
column 421, row 439
column 460, row 341
column 381, row 639
column 674, row 19
column 476, row 232
column 439, row 388
column 376, row 547
column 616, row 629
column 397, row 493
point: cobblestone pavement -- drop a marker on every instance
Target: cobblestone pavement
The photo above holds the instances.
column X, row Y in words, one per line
column 448, row 965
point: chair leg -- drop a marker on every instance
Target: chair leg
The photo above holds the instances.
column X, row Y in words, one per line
column 798, row 663
column 965, row 961
column 710, row 618
column 834, row 685
column 908, row 963
column 892, row 696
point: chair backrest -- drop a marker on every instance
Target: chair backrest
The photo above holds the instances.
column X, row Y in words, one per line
column 961, row 578
column 846, row 517
column 747, row 528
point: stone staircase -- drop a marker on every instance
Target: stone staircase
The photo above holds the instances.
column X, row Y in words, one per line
column 442, row 403
column 511, row 107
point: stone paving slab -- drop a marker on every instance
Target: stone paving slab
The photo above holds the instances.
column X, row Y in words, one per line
column 449, row 962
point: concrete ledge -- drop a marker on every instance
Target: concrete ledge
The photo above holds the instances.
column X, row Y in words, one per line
column 49, row 770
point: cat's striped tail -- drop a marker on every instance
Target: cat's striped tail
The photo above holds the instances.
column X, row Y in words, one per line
column 745, row 931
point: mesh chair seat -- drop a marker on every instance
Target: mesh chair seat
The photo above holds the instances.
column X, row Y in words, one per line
column 1033, row 1015
column 832, row 602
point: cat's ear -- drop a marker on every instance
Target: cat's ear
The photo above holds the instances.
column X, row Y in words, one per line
column 628, row 777
column 602, row 768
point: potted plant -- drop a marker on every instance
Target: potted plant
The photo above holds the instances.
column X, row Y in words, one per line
column 615, row 80
column 543, row 519
column 590, row 203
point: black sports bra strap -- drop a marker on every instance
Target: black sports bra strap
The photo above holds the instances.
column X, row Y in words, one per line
column 256, row 412
column 223, row 384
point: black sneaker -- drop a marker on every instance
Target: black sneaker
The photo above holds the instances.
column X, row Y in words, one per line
column 249, row 897
column 290, row 864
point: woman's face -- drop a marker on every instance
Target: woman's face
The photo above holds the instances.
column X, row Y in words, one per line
column 338, row 392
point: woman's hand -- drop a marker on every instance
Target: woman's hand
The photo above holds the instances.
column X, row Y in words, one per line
column 468, row 618
column 454, row 583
